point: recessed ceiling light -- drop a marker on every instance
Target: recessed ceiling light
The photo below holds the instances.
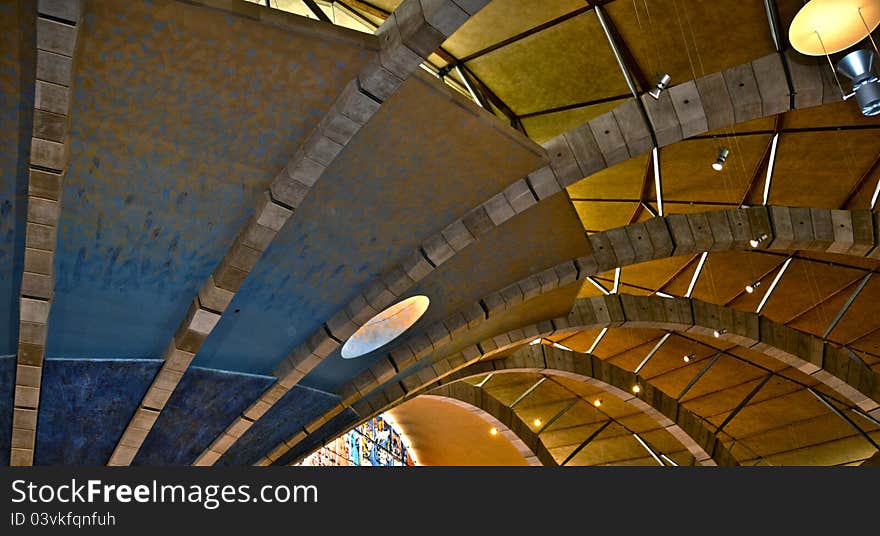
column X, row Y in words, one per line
column 718, row 165
column 662, row 84
column 758, row 240
column 493, row 431
column 537, row 422
column 751, row 288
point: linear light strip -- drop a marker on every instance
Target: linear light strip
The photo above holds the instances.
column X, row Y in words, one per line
column 770, row 165
column 653, row 351
column 616, row 280
column 598, row 285
column 485, row 380
column 876, row 194
column 696, row 274
column 649, row 449
column 598, row 340
column 669, row 460
column 663, row 294
column 528, row 391
column 658, row 185
column 650, row 209
column 561, row 347
column 772, row 286
column 846, row 305
column 468, row 86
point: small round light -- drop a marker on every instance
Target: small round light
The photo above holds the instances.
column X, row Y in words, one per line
column 687, row 358
column 717, row 166
column 493, row 431
column 598, row 402
column 636, row 389
column 537, row 422
column 719, row 332
column 751, row 288
column 753, row 243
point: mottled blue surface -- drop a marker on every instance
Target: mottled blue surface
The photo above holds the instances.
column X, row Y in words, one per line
column 339, row 424
column 202, row 406
column 296, row 409
column 184, row 114
column 85, row 405
column 7, row 390
column 373, row 205
column 17, row 61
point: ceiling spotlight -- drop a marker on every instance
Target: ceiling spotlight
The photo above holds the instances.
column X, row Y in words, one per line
column 687, row 358
column 718, row 165
column 493, row 431
column 751, row 288
column 598, row 402
column 537, row 422
column 755, row 242
column 636, row 389
column 661, row 85
column 536, row 341
column 719, row 332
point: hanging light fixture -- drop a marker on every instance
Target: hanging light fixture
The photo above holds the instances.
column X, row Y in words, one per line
column 718, row 165
column 719, row 332
column 751, row 288
column 823, row 27
column 661, row 85
column 758, row 240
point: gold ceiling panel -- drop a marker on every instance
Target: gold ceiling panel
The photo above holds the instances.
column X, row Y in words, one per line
column 814, row 169
column 603, row 215
column 619, row 340
column 688, row 175
column 545, row 126
column 841, row 451
column 620, row 181
column 788, row 404
column 503, row 19
column 836, row 114
column 566, row 64
column 653, row 273
column 802, row 286
column 691, row 38
column 725, row 374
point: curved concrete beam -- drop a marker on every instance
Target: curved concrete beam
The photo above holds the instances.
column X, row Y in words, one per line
column 685, row 426
column 56, row 24
column 508, row 423
column 843, row 232
column 736, row 95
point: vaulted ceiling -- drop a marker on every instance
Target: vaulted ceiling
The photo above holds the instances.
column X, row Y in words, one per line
column 203, row 199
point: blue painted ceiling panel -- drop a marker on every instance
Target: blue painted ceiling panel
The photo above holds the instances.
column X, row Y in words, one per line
column 372, row 206
column 85, row 405
column 204, row 403
column 183, row 116
column 296, row 409
column 334, row 427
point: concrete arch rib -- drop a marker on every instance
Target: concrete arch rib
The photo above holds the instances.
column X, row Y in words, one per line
column 687, row 428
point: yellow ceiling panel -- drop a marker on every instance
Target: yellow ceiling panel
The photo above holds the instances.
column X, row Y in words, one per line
column 548, row 125
column 566, row 64
column 814, row 169
column 621, row 181
column 603, row 215
column 503, row 19
column 690, row 38
column 688, row 175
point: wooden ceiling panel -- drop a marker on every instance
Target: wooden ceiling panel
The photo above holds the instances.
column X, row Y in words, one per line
column 604, row 215
column 803, row 285
column 500, row 20
column 725, row 275
column 652, row 274
column 688, row 175
column 688, row 39
column 549, row 125
column 725, row 373
column 568, row 63
column 621, row 181
column 862, row 317
column 835, row 452
column 814, row 169
column 784, row 403
column 619, row 340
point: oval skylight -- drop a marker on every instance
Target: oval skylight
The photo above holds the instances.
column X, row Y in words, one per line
column 385, row 326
